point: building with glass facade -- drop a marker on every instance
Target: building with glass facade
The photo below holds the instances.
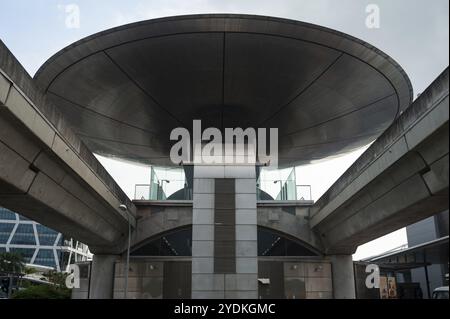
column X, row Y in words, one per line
column 38, row 245
column 415, row 269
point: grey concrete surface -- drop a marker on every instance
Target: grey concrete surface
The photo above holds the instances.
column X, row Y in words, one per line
column 102, row 277
column 205, row 281
column 46, row 172
column 210, row 244
column 401, row 179
column 343, row 277
column 153, row 221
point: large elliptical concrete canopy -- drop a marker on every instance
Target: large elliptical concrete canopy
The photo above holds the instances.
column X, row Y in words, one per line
column 125, row 89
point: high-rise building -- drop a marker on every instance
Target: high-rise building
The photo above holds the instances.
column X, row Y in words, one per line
column 427, row 231
column 417, row 268
column 38, row 245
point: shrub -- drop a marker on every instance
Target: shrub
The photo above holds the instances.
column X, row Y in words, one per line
column 42, row 292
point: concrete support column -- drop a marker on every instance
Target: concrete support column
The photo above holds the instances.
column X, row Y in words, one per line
column 224, row 232
column 244, row 284
column 205, row 284
column 343, row 277
column 102, row 277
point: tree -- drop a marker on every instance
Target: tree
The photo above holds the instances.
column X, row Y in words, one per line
column 55, row 289
column 58, row 278
column 11, row 263
column 29, row 270
column 42, row 292
column 11, row 267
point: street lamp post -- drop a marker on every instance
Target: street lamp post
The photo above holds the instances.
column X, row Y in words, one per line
column 127, row 264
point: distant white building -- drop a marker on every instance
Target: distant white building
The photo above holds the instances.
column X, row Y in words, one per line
column 39, row 245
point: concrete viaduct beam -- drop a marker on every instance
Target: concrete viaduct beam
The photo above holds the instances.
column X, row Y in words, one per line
column 46, row 172
column 402, row 178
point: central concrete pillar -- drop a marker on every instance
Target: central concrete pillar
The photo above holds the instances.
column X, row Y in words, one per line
column 224, row 232
column 102, row 277
column 343, row 277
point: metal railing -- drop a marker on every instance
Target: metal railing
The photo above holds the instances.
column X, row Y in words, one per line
column 163, row 190
column 304, row 192
column 142, row 192
column 283, row 192
column 173, row 184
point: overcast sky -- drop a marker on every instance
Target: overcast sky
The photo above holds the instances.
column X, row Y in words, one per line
column 413, row 32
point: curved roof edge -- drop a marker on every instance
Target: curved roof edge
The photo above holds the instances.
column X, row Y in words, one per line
column 230, row 23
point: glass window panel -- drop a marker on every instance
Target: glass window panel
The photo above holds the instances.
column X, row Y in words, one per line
column 24, row 235
column 5, row 232
column 46, row 235
column 26, row 253
column 271, row 243
column 172, row 244
column 6, row 214
column 179, row 243
column 45, row 257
